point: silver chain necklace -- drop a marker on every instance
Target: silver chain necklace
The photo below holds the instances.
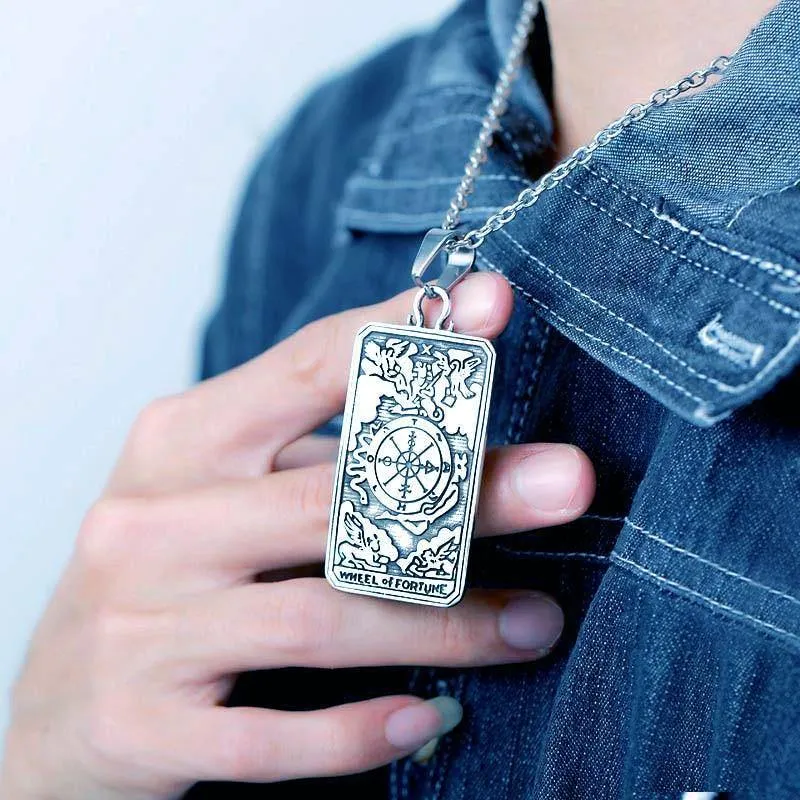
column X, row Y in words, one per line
column 446, row 238
column 414, row 425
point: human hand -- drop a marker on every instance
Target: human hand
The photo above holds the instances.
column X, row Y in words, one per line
column 122, row 690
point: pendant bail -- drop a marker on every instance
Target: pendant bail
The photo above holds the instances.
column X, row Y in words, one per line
column 458, row 261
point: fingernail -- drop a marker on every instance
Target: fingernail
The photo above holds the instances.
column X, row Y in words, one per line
column 416, row 725
column 548, row 479
column 531, row 622
column 475, row 302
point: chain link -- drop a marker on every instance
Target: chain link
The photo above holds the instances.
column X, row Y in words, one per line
column 494, row 111
column 498, row 104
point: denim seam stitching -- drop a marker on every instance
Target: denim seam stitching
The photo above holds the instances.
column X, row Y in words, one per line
column 787, row 274
column 509, row 140
column 549, row 554
column 459, row 91
column 473, row 26
column 769, row 301
column 757, row 197
column 724, row 570
column 430, row 125
column 398, row 216
column 680, row 589
column 458, row 693
column 514, row 430
column 394, row 787
column 725, row 387
column 636, row 689
column 399, row 184
column 537, row 368
column 515, row 114
column 727, row 768
column 402, row 217
column 407, row 764
column 682, row 390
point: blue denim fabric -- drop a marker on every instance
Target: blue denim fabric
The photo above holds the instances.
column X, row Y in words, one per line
column 656, row 325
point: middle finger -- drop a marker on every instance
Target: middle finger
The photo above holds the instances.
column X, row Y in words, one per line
column 238, row 529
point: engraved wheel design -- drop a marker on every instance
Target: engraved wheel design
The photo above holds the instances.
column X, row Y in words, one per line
column 409, row 464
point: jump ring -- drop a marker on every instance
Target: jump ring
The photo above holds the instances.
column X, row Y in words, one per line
column 417, row 317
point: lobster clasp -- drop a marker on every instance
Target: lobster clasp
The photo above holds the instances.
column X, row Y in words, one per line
column 456, row 263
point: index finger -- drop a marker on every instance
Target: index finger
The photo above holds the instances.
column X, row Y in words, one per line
column 233, row 425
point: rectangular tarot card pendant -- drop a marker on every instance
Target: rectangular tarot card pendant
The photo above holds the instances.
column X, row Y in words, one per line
column 410, row 460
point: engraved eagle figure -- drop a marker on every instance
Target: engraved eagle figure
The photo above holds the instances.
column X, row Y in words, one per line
column 367, row 546
column 458, row 371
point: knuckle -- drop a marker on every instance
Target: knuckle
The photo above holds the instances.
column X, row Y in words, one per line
column 461, row 639
column 312, row 492
column 117, row 632
column 311, row 353
column 305, row 621
column 152, row 427
column 109, row 530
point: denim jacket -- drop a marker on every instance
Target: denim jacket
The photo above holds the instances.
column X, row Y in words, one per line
column 657, row 326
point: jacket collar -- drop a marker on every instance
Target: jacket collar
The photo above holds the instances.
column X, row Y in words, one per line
column 669, row 257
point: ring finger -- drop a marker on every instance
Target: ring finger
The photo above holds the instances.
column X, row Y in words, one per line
column 305, row 622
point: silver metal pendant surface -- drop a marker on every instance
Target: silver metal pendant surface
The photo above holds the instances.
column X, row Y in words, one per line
column 410, row 461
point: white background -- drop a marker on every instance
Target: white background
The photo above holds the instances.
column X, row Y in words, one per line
column 125, row 132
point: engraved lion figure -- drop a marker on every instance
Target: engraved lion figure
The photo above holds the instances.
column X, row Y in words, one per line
column 367, row 546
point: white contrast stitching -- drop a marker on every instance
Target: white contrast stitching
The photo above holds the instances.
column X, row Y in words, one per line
column 602, row 518
column 735, row 348
column 474, row 26
column 779, row 306
column 769, row 266
column 437, row 93
column 724, row 387
column 510, row 142
column 421, row 183
column 392, row 135
column 761, row 196
column 701, row 375
column 738, row 389
column 397, row 216
column 594, row 338
column 724, row 570
column 616, row 558
column 456, row 91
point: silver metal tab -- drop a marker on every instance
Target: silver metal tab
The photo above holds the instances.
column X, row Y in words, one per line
column 410, row 461
column 456, row 262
